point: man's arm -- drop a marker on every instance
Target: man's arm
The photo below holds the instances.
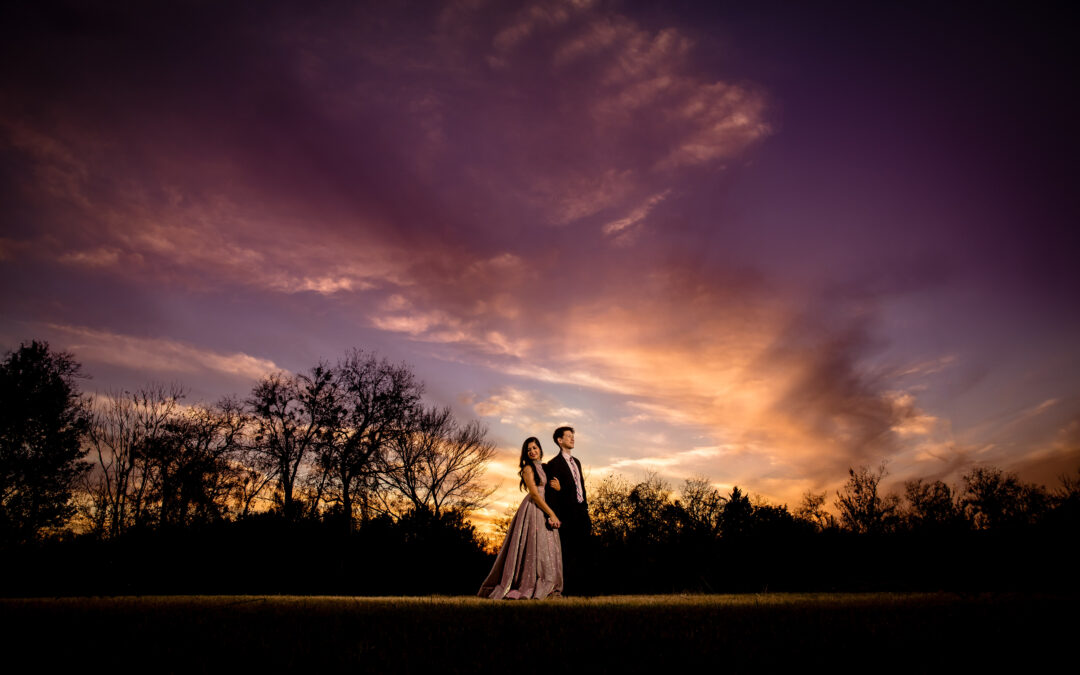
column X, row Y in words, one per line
column 557, row 470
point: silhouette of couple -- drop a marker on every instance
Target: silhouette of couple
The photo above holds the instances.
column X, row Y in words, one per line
column 549, row 532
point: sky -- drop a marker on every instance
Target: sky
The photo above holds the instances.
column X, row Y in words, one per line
column 759, row 243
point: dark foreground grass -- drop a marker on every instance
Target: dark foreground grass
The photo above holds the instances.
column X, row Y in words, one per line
column 730, row 633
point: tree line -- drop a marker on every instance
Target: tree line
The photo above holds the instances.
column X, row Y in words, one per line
column 993, row 531
column 988, row 499
column 341, row 443
column 344, row 465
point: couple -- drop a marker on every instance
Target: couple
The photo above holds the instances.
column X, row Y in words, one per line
column 550, row 528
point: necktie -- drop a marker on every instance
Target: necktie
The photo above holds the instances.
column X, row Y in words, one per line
column 577, row 479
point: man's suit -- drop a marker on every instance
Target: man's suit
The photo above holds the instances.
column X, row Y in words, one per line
column 574, row 516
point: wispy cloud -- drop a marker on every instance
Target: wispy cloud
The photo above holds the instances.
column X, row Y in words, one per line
column 1056, row 459
column 928, row 367
column 621, row 228
column 102, row 256
column 156, row 355
column 527, row 410
column 533, row 18
column 631, row 110
column 187, row 236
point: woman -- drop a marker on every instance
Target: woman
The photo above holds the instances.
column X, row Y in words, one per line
column 530, row 560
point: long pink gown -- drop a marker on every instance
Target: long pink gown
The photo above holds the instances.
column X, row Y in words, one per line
column 529, row 565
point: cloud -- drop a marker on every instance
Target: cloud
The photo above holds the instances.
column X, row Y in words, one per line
column 658, row 411
column 59, row 171
column 529, row 411
column 722, row 120
column 620, row 228
column 910, row 421
column 680, row 464
column 157, row 355
column 629, row 109
column 453, row 177
column 687, row 345
column 371, row 163
column 191, row 235
column 1057, row 459
column 102, row 256
column 928, row 367
column 577, row 194
column 790, row 395
column 533, row 18
column 1015, row 421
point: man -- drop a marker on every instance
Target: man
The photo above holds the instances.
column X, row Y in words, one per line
column 567, row 499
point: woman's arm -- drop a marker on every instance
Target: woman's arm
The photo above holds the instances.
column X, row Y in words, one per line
column 530, row 484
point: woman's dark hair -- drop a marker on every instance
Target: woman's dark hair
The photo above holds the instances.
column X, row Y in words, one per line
column 525, row 461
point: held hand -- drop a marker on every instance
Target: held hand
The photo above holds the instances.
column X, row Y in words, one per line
column 554, row 484
column 554, row 522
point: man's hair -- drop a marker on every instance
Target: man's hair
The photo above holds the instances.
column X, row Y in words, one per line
column 560, row 431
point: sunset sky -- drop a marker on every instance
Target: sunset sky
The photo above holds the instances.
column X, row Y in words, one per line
column 760, row 242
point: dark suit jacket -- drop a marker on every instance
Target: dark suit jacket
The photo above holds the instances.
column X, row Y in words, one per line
column 564, row 501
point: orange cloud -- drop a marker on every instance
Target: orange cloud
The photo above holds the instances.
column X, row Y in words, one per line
column 784, row 399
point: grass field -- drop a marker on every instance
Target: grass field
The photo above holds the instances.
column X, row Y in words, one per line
column 729, row 633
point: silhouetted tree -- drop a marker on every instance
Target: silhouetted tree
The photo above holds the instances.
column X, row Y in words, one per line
column 1066, row 502
column 771, row 520
column 996, row 500
column 812, row 510
column 638, row 514
column 703, row 505
column 439, row 462
column 251, row 479
column 42, row 424
column 932, row 506
column 737, row 517
column 502, row 524
column 128, row 433
column 292, row 416
column 861, row 508
column 609, row 509
column 197, row 469
column 376, row 402
column 653, row 517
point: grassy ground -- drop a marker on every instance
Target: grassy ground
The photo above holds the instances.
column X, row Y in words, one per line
column 740, row 633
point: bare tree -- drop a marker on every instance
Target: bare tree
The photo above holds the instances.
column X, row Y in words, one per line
column 812, row 510
column 703, row 504
column 438, row 464
column 197, row 471
column 291, row 416
column 861, row 508
column 251, row 480
column 1068, row 493
column 376, row 403
column 126, row 432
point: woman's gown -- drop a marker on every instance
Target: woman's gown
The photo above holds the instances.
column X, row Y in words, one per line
column 530, row 560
